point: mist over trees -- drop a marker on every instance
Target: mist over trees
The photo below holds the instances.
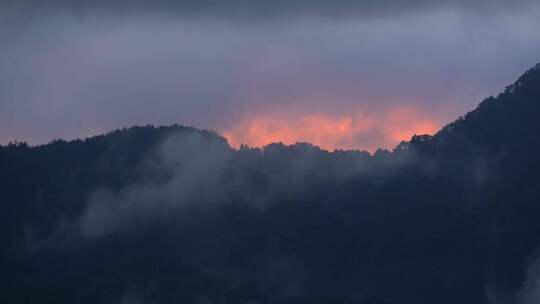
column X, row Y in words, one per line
column 175, row 215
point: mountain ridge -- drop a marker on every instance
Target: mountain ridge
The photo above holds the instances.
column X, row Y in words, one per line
column 151, row 215
column 526, row 80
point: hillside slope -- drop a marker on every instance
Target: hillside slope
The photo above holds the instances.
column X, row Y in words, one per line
column 174, row 215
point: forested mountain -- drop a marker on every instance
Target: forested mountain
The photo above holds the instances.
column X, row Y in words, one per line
column 174, row 215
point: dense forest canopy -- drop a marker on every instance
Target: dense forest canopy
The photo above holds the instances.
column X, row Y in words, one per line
column 175, row 215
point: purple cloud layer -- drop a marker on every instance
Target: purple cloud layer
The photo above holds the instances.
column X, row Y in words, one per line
column 63, row 75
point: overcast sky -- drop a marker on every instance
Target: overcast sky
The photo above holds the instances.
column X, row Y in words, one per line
column 341, row 74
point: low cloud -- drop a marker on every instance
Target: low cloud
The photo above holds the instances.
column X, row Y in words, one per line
column 530, row 290
column 183, row 170
column 189, row 173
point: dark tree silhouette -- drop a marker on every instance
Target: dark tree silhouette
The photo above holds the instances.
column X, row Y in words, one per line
column 174, row 215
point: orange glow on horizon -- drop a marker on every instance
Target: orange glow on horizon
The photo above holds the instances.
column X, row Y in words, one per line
column 356, row 131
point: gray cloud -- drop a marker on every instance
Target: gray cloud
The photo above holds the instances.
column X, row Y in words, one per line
column 16, row 16
column 70, row 72
column 530, row 291
column 254, row 8
column 183, row 170
column 188, row 170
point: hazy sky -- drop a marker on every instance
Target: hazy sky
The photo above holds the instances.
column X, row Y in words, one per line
column 340, row 74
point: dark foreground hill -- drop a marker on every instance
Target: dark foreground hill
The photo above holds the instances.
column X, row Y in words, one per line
column 174, row 215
